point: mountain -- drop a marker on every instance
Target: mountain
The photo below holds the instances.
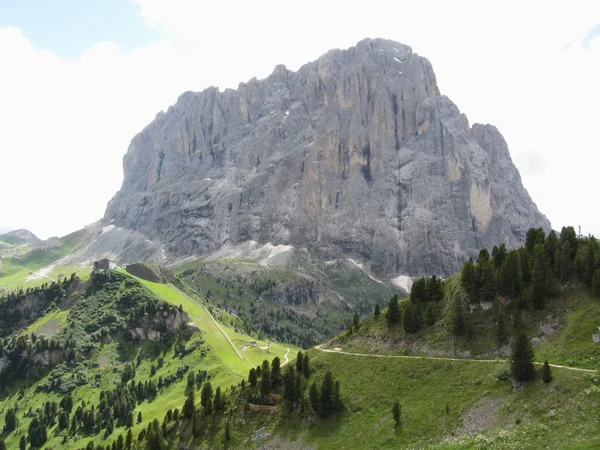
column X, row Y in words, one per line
column 356, row 153
column 17, row 237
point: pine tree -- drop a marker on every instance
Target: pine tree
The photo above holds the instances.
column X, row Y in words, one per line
column 206, row 395
column 393, row 313
column 510, row 275
column 337, row 398
column 23, row 443
column 546, row 373
column 522, row 358
column 129, row 440
column 219, row 402
column 227, row 435
column 377, row 312
column 188, row 407
column 327, row 390
column 2, row 445
column 498, row 255
column 418, row 292
column 487, row 291
column 305, row 366
column 11, row 422
column 535, row 236
column 298, row 388
column 356, row 322
column 252, row 378
column 289, row 379
column 596, row 283
column 429, row 316
column 265, row 378
column 411, row 318
column 459, row 324
column 299, row 359
column 276, row 373
column 139, row 418
column 467, row 277
column 313, row 395
column 397, row 414
column 434, row 289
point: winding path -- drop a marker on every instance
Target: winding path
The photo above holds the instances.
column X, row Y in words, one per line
column 286, row 357
column 441, row 358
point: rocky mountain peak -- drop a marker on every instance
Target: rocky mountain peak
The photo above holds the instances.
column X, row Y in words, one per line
column 355, row 153
column 19, row 237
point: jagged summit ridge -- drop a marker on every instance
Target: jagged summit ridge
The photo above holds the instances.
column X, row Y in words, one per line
column 355, row 153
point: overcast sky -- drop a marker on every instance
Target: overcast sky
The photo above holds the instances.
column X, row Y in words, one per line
column 79, row 78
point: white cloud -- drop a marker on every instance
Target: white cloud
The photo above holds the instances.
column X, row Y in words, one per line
column 66, row 124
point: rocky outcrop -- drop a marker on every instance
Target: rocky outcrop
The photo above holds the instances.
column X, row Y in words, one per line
column 163, row 324
column 18, row 237
column 356, row 153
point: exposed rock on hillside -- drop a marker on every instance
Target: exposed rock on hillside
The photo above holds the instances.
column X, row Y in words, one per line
column 19, row 237
column 355, row 153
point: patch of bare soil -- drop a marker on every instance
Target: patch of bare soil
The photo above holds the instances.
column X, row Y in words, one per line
column 281, row 444
column 49, row 329
column 103, row 362
column 481, row 416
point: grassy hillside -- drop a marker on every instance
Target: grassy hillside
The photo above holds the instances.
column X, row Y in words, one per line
column 33, row 264
column 305, row 301
column 90, row 327
column 445, row 404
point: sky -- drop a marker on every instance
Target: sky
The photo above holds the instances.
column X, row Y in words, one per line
column 79, row 78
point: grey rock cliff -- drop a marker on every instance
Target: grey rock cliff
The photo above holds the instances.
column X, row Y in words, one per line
column 355, row 153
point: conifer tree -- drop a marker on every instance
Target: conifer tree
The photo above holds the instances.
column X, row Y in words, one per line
column 289, row 380
column 498, row 255
column 206, row 395
column 510, row 275
column 298, row 388
column 377, row 312
column 23, row 443
column 337, row 398
column 129, row 440
column 276, row 373
column 546, row 372
column 458, row 319
column 487, row 291
column 393, row 312
column 418, row 292
column 596, row 283
column 139, row 417
column 305, row 366
column 252, row 378
column 429, row 315
column 535, row 236
column 484, row 256
column 299, row 358
column 227, row 435
column 467, row 277
column 522, row 358
column 356, row 322
column 313, row 396
column 411, row 318
column 327, row 406
column 397, row 414
column 188, row 407
column 10, row 421
column 265, row 378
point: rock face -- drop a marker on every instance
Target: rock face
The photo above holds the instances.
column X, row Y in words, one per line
column 17, row 237
column 355, row 153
